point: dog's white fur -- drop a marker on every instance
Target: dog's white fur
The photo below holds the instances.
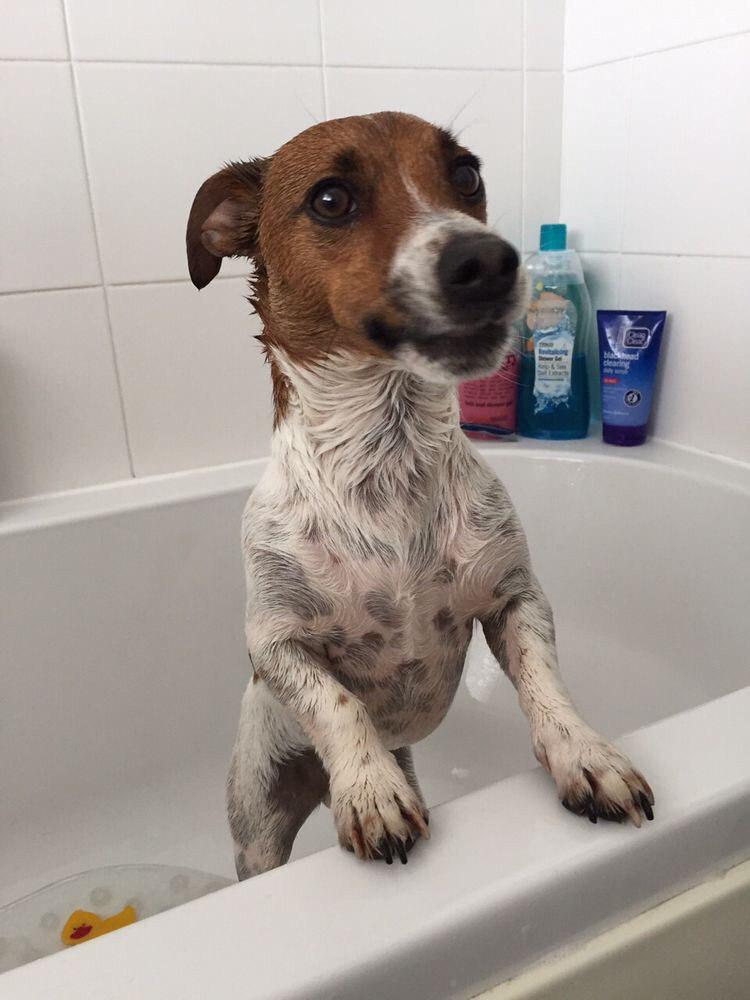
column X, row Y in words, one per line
column 374, row 540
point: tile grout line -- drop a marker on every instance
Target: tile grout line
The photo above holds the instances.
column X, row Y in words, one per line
column 181, row 63
column 665, row 48
column 149, row 282
column 144, row 283
column 626, row 176
column 524, row 113
column 563, row 117
column 323, row 65
column 105, row 290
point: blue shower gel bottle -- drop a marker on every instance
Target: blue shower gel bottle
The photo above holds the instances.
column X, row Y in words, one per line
column 559, row 366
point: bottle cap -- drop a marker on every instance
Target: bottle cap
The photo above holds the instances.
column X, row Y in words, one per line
column 553, row 236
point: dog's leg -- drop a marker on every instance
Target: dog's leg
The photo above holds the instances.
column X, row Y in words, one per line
column 375, row 809
column 275, row 781
column 593, row 778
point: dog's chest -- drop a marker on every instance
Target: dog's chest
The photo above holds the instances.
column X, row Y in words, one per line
column 398, row 633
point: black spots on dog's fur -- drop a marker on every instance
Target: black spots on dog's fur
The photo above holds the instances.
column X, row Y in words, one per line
column 446, row 573
column 491, row 513
column 281, row 581
column 383, row 609
column 335, row 636
column 517, row 583
column 374, row 640
column 443, row 619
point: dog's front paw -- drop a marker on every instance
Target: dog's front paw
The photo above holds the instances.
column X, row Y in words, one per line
column 378, row 814
column 593, row 777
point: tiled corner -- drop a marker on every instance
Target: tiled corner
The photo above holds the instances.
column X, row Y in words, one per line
column 702, row 390
column 195, row 386
column 59, row 404
column 542, row 138
column 597, row 32
column 481, row 33
column 595, row 155
column 153, row 134
column 543, row 37
column 689, row 181
column 222, row 31
column 48, row 234
column 485, row 108
column 34, row 29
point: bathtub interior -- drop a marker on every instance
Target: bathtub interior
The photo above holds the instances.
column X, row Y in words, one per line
column 125, row 660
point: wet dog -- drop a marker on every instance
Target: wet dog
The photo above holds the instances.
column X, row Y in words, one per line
column 377, row 536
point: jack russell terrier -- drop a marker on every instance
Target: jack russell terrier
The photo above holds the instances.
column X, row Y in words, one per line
column 377, row 535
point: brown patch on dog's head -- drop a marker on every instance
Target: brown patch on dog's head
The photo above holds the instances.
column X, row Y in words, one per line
column 323, row 220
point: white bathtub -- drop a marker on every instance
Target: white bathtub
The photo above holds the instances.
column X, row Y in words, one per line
column 122, row 670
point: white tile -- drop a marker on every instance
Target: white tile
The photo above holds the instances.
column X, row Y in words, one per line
column 438, row 33
column 32, row 29
column 59, row 405
column 484, row 108
column 602, row 273
column 545, row 21
column 597, row 32
column 195, row 386
column 703, row 386
column 154, row 133
column 241, row 31
column 48, row 236
column 542, row 136
column 595, row 125
column 689, row 183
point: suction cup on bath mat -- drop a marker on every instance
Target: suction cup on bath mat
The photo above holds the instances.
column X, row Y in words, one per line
column 92, row 903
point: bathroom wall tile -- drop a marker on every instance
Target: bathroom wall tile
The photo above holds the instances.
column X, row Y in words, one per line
column 154, row 133
column 597, row 32
column 702, row 398
column 542, row 137
column 48, row 235
column 59, row 405
column 484, row 107
column 195, row 387
column 545, row 22
column 602, row 271
column 475, row 33
column 34, row 29
column 242, row 31
column 595, row 125
column 689, row 151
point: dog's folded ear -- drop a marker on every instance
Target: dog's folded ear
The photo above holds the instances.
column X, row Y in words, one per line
column 223, row 220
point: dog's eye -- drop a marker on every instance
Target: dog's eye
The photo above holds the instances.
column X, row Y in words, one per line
column 467, row 180
column 332, row 201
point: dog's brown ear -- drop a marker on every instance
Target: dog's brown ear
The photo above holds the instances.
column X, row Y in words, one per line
column 223, row 221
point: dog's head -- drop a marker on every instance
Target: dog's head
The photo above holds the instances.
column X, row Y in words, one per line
column 368, row 234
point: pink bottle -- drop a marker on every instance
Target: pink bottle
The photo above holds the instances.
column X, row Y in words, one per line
column 488, row 406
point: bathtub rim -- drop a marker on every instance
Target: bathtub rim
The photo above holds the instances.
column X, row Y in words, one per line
column 117, row 497
column 505, row 919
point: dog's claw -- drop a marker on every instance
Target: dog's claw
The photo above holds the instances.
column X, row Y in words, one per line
column 591, row 810
column 646, row 806
column 384, row 849
column 401, row 850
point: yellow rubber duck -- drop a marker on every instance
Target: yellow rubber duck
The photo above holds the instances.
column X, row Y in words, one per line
column 83, row 926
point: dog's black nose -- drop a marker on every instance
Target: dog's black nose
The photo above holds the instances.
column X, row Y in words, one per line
column 477, row 268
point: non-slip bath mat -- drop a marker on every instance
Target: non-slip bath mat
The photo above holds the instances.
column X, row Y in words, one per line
column 84, row 906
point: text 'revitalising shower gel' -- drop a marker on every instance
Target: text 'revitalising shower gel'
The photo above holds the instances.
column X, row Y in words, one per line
column 559, row 383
